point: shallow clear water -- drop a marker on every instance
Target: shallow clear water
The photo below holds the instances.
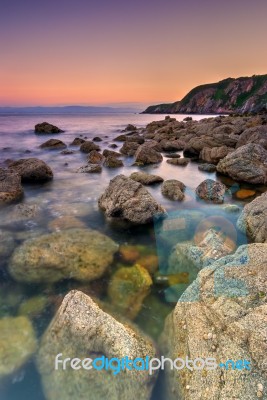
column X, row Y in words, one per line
column 76, row 194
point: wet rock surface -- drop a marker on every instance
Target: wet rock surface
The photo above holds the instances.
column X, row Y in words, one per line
column 253, row 219
column 88, row 146
column 17, row 344
column 82, row 329
column 128, row 288
column 248, row 163
column 31, row 170
column 10, row 187
column 212, row 191
column 173, row 189
column 226, row 321
column 129, row 201
column 45, row 127
column 53, row 144
column 145, row 178
column 74, row 253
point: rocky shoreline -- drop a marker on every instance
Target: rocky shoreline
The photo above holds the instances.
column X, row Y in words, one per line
column 212, row 318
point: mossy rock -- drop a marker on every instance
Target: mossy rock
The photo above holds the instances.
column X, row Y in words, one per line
column 17, row 344
column 128, row 288
column 33, row 306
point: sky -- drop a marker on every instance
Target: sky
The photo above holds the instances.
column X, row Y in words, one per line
column 104, row 52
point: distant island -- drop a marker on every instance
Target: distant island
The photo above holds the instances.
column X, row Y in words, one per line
column 65, row 110
column 241, row 95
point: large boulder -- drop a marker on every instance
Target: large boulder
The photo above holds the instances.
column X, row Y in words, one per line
column 145, row 178
column 147, row 154
column 31, row 170
column 210, row 190
column 214, row 154
column 17, row 344
column 45, row 127
column 53, row 144
column 253, row 220
column 10, row 187
column 248, row 163
column 81, row 329
column 127, row 200
column 222, row 315
column 74, row 253
column 257, row 134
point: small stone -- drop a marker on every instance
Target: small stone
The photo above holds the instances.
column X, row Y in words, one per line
column 260, row 387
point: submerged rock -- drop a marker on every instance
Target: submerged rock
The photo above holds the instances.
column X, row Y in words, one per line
column 17, row 344
column 7, row 245
column 211, row 190
column 189, row 257
column 74, row 253
column 127, row 289
column 253, row 219
column 82, row 329
column 173, row 189
column 10, row 187
column 247, row 163
column 222, row 316
column 53, row 144
column 127, row 200
column 31, row 170
column 244, row 193
column 146, row 179
column 65, row 222
column 34, row 306
column 45, row 127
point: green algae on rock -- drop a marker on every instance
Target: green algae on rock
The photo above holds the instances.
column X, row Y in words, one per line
column 33, row 306
column 74, row 253
column 17, row 344
column 82, row 329
column 128, row 288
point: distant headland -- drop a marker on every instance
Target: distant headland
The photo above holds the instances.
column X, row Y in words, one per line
column 241, row 95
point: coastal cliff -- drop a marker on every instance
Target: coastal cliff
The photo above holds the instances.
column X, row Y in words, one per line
column 241, row 95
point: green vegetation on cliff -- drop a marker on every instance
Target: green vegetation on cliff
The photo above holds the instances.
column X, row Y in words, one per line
column 241, row 95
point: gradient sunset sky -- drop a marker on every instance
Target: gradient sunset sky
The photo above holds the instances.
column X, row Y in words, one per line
column 110, row 51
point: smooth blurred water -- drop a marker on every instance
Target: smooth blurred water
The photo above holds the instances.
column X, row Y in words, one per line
column 76, row 194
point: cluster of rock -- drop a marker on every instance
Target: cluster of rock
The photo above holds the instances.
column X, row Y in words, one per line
column 221, row 315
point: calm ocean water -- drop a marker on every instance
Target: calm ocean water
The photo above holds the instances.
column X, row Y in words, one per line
column 71, row 192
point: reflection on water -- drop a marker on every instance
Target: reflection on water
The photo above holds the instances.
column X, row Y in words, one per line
column 70, row 200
